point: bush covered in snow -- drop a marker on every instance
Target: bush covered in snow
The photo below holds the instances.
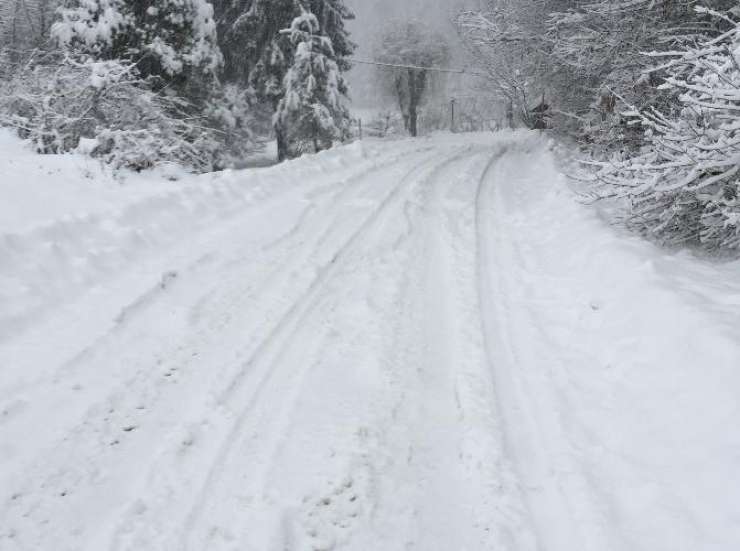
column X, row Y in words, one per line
column 649, row 88
column 137, row 85
column 24, row 25
column 384, row 124
column 685, row 186
column 230, row 112
column 186, row 81
column 60, row 102
column 587, row 58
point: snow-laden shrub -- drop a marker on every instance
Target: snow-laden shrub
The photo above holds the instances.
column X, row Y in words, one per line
column 685, row 186
column 143, row 148
column 166, row 38
column 59, row 102
column 231, row 111
column 24, row 24
column 384, row 124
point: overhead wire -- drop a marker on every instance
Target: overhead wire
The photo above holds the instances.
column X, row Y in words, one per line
column 419, row 68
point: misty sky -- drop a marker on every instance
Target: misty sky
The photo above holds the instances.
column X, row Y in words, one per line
column 374, row 15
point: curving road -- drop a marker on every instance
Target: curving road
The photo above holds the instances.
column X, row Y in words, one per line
column 334, row 366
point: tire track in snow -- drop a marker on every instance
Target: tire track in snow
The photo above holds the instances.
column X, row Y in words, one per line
column 144, row 387
column 137, row 513
column 560, row 505
column 248, row 201
column 277, row 342
column 427, row 413
column 445, row 481
column 405, row 460
column 310, row 235
column 200, row 461
column 414, row 460
column 322, row 273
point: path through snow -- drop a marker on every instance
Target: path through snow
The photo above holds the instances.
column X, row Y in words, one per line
column 415, row 345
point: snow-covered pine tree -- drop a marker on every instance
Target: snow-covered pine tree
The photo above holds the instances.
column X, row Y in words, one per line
column 249, row 33
column 254, row 47
column 311, row 114
column 171, row 39
column 686, row 188
column 332, row 16
column 259, row 54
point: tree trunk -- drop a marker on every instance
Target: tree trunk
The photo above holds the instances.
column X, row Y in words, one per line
column 510, row 114
column 282, row 144
column 415, row 88
column 413, row 117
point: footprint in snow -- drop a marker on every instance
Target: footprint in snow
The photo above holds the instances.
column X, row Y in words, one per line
column 329, row 519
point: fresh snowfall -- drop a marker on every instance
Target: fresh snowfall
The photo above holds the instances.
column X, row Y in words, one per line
column 370, row 275
column 392, row 345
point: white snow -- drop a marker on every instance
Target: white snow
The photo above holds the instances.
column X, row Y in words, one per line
column 419, row 344
column 38, row 190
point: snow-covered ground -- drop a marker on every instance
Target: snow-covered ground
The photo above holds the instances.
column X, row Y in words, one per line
column 389, row 346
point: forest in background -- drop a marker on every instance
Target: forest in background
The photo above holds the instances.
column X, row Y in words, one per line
column 648, row 89
column 188, row 81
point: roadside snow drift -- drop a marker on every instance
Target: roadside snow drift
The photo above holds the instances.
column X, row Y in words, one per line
column 423, row 344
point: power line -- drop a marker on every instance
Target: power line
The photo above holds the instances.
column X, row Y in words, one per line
column 432, row 69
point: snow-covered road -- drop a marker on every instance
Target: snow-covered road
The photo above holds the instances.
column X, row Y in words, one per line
column 419, row 345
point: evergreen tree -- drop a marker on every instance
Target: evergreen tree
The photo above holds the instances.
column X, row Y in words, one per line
column 332, row 15
column 167, row 45
column 172, row 39
column 258, row 54
column 311, row 113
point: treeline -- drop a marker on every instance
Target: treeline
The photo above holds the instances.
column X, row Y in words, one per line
column 197, row 82
column 650, row 87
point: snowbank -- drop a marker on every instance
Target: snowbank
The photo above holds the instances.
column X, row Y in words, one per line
column 38, row 189
column 68, row 222
column 619, row 368
column 423, row 342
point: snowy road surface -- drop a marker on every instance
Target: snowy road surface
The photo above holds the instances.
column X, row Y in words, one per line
column 423, row 345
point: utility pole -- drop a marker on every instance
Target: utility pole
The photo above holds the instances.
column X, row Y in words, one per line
column 452, row 115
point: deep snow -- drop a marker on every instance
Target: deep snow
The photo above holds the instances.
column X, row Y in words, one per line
column 401, row 345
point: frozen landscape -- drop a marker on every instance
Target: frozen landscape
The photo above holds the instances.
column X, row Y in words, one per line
column 369, row 275
column 418, row 344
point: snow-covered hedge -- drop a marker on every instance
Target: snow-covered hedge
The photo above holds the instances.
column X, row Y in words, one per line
column 105, row 108
column 685, row 186
column 109, row 111
column 230, row 110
